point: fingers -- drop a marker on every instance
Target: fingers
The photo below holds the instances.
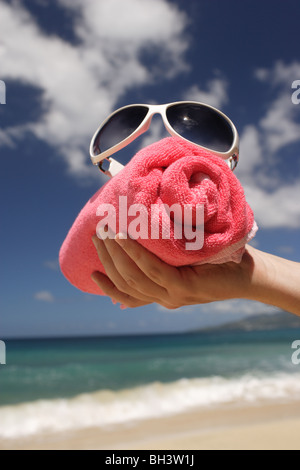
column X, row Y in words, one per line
column 111, row 290
column 108, row 261
column 158, row 271
column 137, row 277
column 134, row 271
column 131, row 273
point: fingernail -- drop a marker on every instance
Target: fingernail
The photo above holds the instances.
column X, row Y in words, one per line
column 120, row 237
column 94, row 277
column 103, row 232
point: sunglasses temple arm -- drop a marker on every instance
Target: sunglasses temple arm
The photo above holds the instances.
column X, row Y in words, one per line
column 233, row 161
column 113, row 169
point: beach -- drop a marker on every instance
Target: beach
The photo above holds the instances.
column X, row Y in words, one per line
column 273, row 426
column 227, row 390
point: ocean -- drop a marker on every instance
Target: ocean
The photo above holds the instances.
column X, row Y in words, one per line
column 75, row 383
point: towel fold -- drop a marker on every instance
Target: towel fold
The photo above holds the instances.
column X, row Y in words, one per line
column 180, row 202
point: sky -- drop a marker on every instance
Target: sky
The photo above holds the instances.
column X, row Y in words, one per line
column 66, row 65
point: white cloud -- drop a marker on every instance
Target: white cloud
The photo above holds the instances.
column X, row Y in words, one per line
column 239, row 306
column 81, row 83
column 274, row 201
column 279, row 125
column 251, row 151
column 261, row 74
column 44, row 296
column 216, row 94
column 52, row 264
column 279, row 74
column 6, row 139
column 279, row 208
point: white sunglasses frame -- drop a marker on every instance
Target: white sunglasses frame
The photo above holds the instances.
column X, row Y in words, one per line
column 231, row 156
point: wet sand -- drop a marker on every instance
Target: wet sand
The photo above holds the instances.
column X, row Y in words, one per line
column 269, row 426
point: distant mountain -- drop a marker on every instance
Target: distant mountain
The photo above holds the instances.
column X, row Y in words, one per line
column 275, row 321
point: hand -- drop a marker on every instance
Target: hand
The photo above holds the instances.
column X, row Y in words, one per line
column 137, row 277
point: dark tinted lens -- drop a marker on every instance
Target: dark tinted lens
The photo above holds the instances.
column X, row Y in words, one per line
column 119, row 126
column 201, row 125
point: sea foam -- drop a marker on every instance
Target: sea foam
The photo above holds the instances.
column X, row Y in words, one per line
column 103, row 408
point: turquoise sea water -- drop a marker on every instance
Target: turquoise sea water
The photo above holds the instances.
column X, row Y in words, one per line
column 78, row 382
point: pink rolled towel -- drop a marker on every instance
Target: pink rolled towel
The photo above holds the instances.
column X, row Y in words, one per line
column 171, row 171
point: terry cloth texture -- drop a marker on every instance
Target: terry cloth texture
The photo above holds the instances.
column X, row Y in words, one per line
column 166, row 173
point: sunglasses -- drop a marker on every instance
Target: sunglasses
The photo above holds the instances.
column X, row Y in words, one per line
column 198, row 123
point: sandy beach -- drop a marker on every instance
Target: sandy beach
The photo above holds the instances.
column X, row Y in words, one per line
column 263, row 427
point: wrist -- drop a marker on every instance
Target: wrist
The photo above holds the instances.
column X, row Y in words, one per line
column 272, row 280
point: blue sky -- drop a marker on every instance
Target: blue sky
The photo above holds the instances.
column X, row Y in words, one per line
column 67, row 64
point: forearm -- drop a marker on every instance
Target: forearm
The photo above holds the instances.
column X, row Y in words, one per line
column 273, row 280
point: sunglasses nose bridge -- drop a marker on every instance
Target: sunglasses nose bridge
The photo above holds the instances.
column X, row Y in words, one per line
column 156, row 109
